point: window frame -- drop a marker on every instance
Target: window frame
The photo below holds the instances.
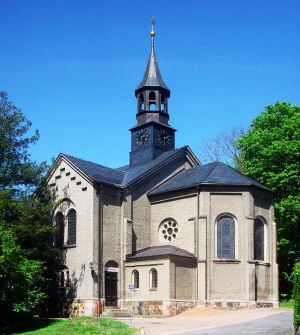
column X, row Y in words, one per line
column 64, row 278
column 265, row 239
column 68, row 243
column 153, row 281
column 59, row 240
column 235, row 242
column 135, row 278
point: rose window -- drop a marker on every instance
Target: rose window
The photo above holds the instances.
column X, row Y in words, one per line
column 168, row 230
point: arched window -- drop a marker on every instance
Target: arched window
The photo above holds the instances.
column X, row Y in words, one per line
column 152, row 96
column 136, row 279
column 259, row 240
column 64, row 278
column 153, row 278
column 72, row 227
column 60, row 233
column 226, row 237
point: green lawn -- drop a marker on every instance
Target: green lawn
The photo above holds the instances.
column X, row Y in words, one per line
column 79, row 325
column 286, row 303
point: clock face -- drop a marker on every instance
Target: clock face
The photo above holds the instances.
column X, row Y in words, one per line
column 141, row 137
column 164, row 138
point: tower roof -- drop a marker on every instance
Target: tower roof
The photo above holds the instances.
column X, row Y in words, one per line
column 152, row 76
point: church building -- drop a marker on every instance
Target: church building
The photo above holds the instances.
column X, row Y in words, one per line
column 163, row 231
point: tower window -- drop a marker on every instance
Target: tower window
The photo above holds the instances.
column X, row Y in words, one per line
column 152, row 107
column 152, row 96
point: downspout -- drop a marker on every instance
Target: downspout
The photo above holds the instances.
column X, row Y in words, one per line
column 206, row 258
column 197, row 242
column 100, row 248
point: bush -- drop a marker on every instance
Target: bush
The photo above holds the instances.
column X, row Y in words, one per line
column 296, row 297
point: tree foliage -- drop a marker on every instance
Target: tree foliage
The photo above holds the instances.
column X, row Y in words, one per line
column 296, row 297
column 20, row 277
column 27, row 255
column 271, row 155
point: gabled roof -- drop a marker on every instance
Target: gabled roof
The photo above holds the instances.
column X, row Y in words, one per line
column 152, row 76
column 125, row 175
column 160, row 251
column 96, row 172
column 209, row 174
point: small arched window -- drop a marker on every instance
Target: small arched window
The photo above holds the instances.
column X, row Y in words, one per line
column 72, row 227
column 60, row 232
column 153, row 278
column 136, row 279
column 259, row 240
column 64, row 278
column 152, row 96
column 226, row 237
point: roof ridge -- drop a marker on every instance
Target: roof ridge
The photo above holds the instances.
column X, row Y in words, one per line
column 214, row 165
column 244, row 175
column 85, row 160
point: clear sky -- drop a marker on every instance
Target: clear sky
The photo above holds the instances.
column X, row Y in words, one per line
column 72, row 67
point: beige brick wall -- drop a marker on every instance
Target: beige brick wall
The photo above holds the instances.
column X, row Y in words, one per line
column 72, row 185
column 144, row 293
column 181, row 210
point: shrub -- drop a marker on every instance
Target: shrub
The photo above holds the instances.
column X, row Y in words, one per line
column 296, row 297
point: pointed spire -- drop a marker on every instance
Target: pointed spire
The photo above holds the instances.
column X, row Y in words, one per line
column 152, row 76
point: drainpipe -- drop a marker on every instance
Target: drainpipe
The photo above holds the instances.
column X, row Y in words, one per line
column 197, row 242
column 100, row 246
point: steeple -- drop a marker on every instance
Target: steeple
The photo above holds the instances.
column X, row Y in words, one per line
column 152, row 134
column 152, row 93
column 152, row 76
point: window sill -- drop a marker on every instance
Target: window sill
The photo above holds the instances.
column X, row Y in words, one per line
column 226, row 261
column 69, row 246
column 263, row 263
column 153, row 289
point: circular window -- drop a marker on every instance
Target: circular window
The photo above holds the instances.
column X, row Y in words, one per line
column 168, row 230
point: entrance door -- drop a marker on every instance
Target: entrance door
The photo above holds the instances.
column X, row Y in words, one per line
column 111, row 288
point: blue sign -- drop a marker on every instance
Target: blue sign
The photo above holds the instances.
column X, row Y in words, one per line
column 131, row 287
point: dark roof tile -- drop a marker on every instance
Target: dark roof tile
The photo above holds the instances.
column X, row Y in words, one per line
column 158, row 251
column 209, row 174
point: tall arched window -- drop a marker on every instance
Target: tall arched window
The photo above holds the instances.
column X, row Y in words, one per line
column 226, row 237
column 136, row 279
column 72, row 227
column 60, row 233
column 259, row 240
column 153, row 278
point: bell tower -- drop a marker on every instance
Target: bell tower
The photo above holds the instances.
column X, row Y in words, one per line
column 152, row 135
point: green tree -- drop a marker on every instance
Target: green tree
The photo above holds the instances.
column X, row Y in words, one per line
column 20, row 278
column 27, row 253
column 271, row 155
column 296, row 297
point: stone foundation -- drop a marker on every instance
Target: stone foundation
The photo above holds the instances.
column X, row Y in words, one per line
column 86, row 307
column 159, row 308
column 238, row 305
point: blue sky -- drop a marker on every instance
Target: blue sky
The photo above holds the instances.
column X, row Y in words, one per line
column 73, row 66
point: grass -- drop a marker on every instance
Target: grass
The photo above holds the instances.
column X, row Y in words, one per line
column 286, row 303
column 74, row 326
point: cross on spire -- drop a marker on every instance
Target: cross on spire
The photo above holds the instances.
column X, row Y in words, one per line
column 152, row 34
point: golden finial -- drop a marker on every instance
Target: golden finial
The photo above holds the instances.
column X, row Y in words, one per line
column 152, row 31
